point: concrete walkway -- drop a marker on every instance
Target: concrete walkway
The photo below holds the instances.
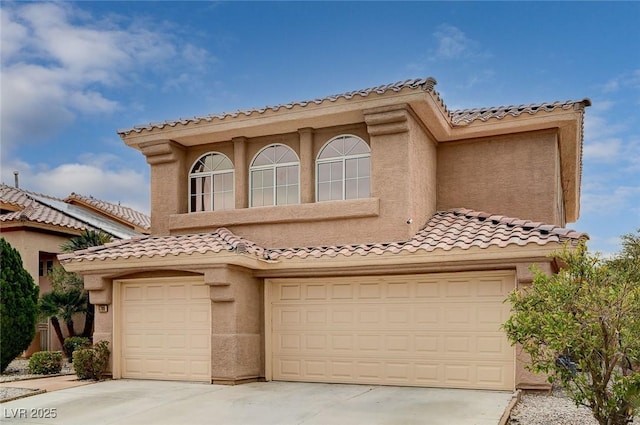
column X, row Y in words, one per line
column 277, row 403
column 54, row 383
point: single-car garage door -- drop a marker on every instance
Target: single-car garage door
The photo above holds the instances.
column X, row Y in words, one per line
column 432, row 330
column 165, row 329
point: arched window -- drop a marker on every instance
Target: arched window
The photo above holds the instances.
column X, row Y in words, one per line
column 211, row 183
column 343, row 169
column 275, row 176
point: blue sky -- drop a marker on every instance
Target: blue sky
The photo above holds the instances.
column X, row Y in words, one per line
column 75, row 72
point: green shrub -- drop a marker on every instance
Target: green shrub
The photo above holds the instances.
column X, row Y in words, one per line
column 74, row 343
column 45, row 362
column 91, row 363
column 18, row 305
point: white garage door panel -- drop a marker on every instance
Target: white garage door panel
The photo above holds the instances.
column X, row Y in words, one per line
column 432, row 330
column 165, row 330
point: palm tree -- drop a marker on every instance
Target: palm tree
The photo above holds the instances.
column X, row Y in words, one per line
column 87, row 239
column 63, row 305
column 68, row 296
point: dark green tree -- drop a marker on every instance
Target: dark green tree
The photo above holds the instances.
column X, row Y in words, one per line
column 582, row 328
column 18, row 305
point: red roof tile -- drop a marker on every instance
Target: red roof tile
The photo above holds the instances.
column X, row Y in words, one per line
column 457, row 118
column 446, row 230
column 44, row 209
column 426, row 84
column 162, row 246
column 125, row 213
column 34, row 211
column 467, row 116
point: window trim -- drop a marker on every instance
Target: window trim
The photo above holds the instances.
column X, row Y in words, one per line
column 211, row 173
column 343, row 160
column 253, row 168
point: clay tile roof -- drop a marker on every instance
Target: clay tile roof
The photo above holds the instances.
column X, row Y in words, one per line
column 149, row 246
column 426, row 84
column 125, row 213
column 465, row 117
column 454, row 229
column 38, row 208
column 34, row 211
column 457, row 118
column 446, row 230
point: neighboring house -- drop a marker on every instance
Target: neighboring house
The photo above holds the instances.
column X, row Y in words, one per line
column 366, row 237
column 36, row 225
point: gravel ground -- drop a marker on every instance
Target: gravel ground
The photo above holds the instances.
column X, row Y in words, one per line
column 551, row 409
column 18, row 370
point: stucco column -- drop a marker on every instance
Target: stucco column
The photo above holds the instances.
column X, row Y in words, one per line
column 240, row 169
column 236, row 325
column 389, row 137
column 101, row 293
column 169, row 182
column 307, row 166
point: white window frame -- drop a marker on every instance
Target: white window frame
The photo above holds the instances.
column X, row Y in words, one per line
column 192, row 175
column 343, row 160
column 273, row 167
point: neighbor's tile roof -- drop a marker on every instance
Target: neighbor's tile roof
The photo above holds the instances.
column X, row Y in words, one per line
column 161, row 246
column 446, row 230
column 458, row 118
column 125, row 213
column 44, row 209
column 34, row 211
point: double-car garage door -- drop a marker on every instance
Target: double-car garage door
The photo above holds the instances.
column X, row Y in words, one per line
column 436, row 330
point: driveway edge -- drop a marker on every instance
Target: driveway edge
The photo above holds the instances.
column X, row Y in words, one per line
column 507, row 412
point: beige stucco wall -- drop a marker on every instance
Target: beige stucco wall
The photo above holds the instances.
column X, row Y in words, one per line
column 422, row 168
column 403, row 171
column 30, row 244
column 515, row 175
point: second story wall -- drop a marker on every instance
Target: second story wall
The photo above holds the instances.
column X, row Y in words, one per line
column 402, row 186
column 515, row 175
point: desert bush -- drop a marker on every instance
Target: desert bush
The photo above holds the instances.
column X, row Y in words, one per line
column 74, row 343
column 45, row 362
column 581, row 328
column 91, row 363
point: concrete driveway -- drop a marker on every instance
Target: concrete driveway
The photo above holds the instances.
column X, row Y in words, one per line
column 262, row 403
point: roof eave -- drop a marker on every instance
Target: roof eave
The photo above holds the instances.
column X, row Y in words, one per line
column 399, row 262
column 181, row 261
column 328, row 113
column 31, row 225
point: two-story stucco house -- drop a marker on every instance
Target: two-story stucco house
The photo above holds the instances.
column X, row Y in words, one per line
column 367, row 237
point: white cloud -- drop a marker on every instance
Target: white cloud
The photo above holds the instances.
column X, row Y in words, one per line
column 59, row 62
column 623, row 81
column 603, row 201
column 453, row 43
column 607, row 150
